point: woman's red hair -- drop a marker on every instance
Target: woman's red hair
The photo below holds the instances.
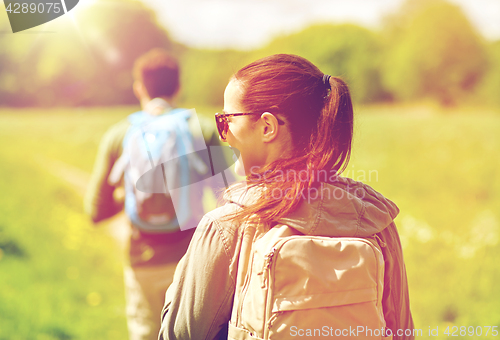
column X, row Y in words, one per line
column 320, row 119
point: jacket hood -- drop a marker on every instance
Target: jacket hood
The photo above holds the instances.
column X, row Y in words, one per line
column 345, row 208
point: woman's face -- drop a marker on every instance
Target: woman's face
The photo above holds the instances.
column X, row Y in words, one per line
column 243, row 134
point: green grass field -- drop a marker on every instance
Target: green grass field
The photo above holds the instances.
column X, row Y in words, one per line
column 61, row 278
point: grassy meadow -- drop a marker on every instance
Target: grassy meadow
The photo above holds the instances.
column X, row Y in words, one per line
column 61, row 278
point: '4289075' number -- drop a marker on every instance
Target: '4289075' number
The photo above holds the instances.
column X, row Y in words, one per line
column 19, row 8
column 471, row 331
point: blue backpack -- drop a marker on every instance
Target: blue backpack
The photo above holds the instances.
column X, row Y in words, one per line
column 159, row 162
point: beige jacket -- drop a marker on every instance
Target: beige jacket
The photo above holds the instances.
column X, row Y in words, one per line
column 198, row 304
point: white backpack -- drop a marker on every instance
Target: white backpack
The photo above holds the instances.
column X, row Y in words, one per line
column 309, row 286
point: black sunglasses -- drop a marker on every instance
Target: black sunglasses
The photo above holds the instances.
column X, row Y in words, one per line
column 223, row 126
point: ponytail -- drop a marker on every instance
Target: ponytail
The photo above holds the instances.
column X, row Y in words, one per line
column 330, row 148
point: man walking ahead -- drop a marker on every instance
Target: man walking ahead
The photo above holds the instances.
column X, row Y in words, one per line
column 156, row 217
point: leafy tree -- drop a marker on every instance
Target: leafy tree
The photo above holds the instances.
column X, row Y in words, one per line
column 3, row 63
column 87, row 61
column 346, row 50
column 489, row 91
column 205, row 74
column 117, row 35
column 434, row 52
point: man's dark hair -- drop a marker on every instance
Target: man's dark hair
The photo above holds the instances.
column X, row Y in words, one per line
column 158, row 70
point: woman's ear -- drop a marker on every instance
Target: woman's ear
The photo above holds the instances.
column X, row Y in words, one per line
column 270, row 127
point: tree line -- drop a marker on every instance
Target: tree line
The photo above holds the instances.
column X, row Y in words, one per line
column 428, row 50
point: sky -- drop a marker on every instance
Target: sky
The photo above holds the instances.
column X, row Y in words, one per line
column 247, row 24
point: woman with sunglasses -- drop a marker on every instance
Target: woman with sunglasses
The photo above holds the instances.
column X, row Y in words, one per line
column 292, row 126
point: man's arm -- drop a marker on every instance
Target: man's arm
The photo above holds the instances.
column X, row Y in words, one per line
column 99, row 200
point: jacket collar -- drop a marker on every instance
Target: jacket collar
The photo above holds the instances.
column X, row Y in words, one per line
column 345, row 208
column 157, row 106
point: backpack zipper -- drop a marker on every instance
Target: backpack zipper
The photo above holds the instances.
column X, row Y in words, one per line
column 381, row 243
column 271, row 320
column 267, row 285
column 267, row 264
column 265, row 278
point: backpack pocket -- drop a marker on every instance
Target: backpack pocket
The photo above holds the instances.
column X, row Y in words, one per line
column 301, row 286
column 325, row 287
